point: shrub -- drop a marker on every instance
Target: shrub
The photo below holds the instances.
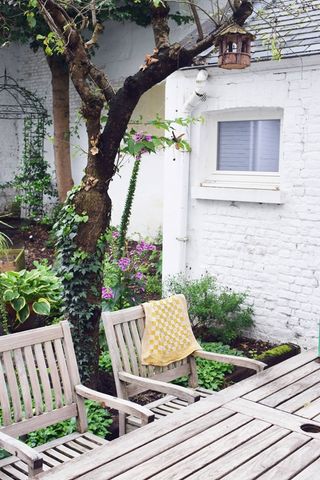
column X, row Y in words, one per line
column 215, row 312
column 211, row 374
column 27, row 293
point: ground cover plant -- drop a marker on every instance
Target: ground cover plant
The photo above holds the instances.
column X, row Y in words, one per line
column 216, row 312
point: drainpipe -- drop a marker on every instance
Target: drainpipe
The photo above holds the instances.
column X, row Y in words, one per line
column 197, row 96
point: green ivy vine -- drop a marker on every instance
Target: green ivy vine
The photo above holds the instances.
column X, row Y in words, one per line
column 76, row 269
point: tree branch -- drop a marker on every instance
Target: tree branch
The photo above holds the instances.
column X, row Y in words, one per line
column 80, row 67
column 159, row 22
column 197, row 20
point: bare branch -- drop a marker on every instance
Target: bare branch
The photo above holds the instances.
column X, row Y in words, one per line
column 197, row 20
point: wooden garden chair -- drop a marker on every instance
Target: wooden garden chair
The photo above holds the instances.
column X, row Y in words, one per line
column 40, row 386
column 124, row 331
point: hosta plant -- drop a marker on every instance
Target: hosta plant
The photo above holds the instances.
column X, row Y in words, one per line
column 33, row 292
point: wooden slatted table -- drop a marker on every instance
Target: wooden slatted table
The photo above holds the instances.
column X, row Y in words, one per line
column 250, row 430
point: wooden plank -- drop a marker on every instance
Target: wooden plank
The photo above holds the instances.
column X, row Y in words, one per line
column 274, row 416
column 34, row 380
column 134, row 440
column 309, row 410
column 45, row 381
column 292, row 390
column 295, row 463
column 55, row 379
column 41, row 421
column 265, row 460
column 130, row 348
column 123, row 349
column 64, row 373
column 248, row 450
column 199, row 458
column 124, row 315
column 278, row 382
column 302, row 399
column 137, row 344
column 16, row 474
column 23, row 339
column 181, row 449
column 4, row 399
column 311, row 472
column 13, row 385
column 24, row 382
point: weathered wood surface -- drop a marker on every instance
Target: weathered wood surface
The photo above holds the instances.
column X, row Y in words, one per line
column 225, row 436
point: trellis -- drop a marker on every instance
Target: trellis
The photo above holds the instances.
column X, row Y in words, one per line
column 32, row 180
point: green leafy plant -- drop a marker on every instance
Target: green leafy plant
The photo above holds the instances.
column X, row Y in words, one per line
column 5, row 241
column 215, row 312
column 211, row 374
column 99, row 421
column 36, row 291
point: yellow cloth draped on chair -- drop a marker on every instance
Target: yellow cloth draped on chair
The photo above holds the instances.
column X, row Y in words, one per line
column 168, row 336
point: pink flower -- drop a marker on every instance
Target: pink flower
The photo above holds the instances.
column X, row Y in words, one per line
column 115, row 234
column 143, row 247
column 107, row 293
column 139, row 275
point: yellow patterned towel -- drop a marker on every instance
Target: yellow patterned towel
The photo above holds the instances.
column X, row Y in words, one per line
column 168, row 336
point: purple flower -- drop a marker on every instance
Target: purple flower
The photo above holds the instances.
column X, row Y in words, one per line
column 115, row 234
column 137, row 137
column 148, row 138
column 139, row 275
column 143, row 247
column 124, row 263
column 107, row 293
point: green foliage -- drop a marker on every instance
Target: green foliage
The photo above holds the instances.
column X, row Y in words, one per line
column 99, row 421
column 154, row 285
column 37, row 290
column 217, row 311
column 33, row 179
column 105, row 361
column 4, row 239
column 212, row 374
column 80, row 273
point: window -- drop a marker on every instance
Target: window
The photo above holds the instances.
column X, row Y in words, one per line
column 248, row 145
column 239, row 156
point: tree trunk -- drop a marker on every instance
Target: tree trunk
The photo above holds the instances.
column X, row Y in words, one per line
column 61, row 114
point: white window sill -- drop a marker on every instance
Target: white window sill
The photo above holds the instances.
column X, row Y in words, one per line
column 256, row 194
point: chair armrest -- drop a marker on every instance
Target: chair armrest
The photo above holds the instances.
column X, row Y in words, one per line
column 183, row 393
column 32, row 458
column 120, row 404
column 234, row 360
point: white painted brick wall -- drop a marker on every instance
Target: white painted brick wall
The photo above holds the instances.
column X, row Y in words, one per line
column 270, row 251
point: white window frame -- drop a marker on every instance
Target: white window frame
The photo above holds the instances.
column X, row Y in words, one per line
column 262, row 187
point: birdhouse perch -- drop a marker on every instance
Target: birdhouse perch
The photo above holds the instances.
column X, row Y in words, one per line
column 234, row 44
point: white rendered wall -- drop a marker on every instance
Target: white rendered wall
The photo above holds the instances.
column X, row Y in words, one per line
column 271, row 251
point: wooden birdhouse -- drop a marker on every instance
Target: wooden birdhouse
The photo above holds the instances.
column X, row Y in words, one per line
column 234, row 44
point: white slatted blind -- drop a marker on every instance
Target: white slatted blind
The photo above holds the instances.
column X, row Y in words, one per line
column 251, row 146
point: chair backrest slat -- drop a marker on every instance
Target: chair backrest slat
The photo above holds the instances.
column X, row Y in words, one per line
column 131, row 349
column 65, row 376
column 13, row 386
column 23, row 382
column 123, row 349
column 55, row 379
column 4, row 398
column 137, row 345
column 38, row 373
column 44, row 376
column 34, row 380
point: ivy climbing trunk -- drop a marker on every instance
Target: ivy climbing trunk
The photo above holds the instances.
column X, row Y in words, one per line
column 61, row 119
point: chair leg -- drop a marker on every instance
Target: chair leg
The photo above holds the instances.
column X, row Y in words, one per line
column 122, row 424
